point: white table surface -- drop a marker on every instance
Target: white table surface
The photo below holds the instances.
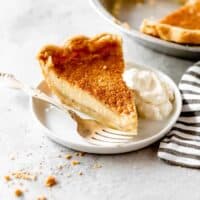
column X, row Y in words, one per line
column 27, row 25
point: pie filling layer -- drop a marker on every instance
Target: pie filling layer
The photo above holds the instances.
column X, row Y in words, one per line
column 84, row 102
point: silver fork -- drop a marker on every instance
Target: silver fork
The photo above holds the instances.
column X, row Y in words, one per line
column 89, row 129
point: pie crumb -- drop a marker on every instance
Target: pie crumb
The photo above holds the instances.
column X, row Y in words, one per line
column 24, row 175
column 116, row 20
column 68, row 156
column 126, row 25
column 7, row 178
column 81, row 154
column 68, row 175
column 12, row 157
column 97, row 165
column 75, row 162
column 77, row 154
column 50, row 181
column 41, row 198
column 60, row 167
column 18, row 192
column 80, row 173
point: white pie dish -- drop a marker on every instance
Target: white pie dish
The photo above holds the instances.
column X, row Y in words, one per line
column 133, row 12
column 60, row 128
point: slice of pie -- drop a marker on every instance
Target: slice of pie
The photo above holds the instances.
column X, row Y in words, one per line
column 86, row 73
column 181, row 26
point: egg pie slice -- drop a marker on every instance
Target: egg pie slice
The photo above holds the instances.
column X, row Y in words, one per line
column 86, row 74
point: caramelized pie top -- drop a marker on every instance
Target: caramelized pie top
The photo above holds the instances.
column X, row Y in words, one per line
column 188, row 16
column 95, row 65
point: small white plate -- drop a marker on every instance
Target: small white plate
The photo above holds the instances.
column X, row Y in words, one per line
column 61, row 128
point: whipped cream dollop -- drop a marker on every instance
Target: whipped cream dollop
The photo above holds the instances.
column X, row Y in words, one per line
column 153, row 97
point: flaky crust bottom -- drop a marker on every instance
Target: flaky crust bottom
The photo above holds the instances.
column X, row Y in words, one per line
column 171, row 33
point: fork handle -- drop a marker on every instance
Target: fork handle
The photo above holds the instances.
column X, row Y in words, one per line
column 36, row 93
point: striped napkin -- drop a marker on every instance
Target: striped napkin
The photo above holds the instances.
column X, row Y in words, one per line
column 182, row 144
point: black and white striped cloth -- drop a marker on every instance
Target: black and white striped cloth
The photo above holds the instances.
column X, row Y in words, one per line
column 182, row 145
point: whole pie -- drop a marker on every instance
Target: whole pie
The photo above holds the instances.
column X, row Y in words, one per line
column 181, row 26
column 86, row 73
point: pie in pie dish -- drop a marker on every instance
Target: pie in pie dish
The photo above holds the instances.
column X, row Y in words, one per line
column 181, row 26
column 86, row 74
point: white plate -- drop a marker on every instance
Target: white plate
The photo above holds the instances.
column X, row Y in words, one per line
column 62, row 129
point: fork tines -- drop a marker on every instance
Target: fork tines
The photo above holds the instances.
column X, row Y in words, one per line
column 110, row 137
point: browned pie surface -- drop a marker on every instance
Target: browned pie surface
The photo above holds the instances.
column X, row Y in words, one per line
column 187, row 16
column 95, row 65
